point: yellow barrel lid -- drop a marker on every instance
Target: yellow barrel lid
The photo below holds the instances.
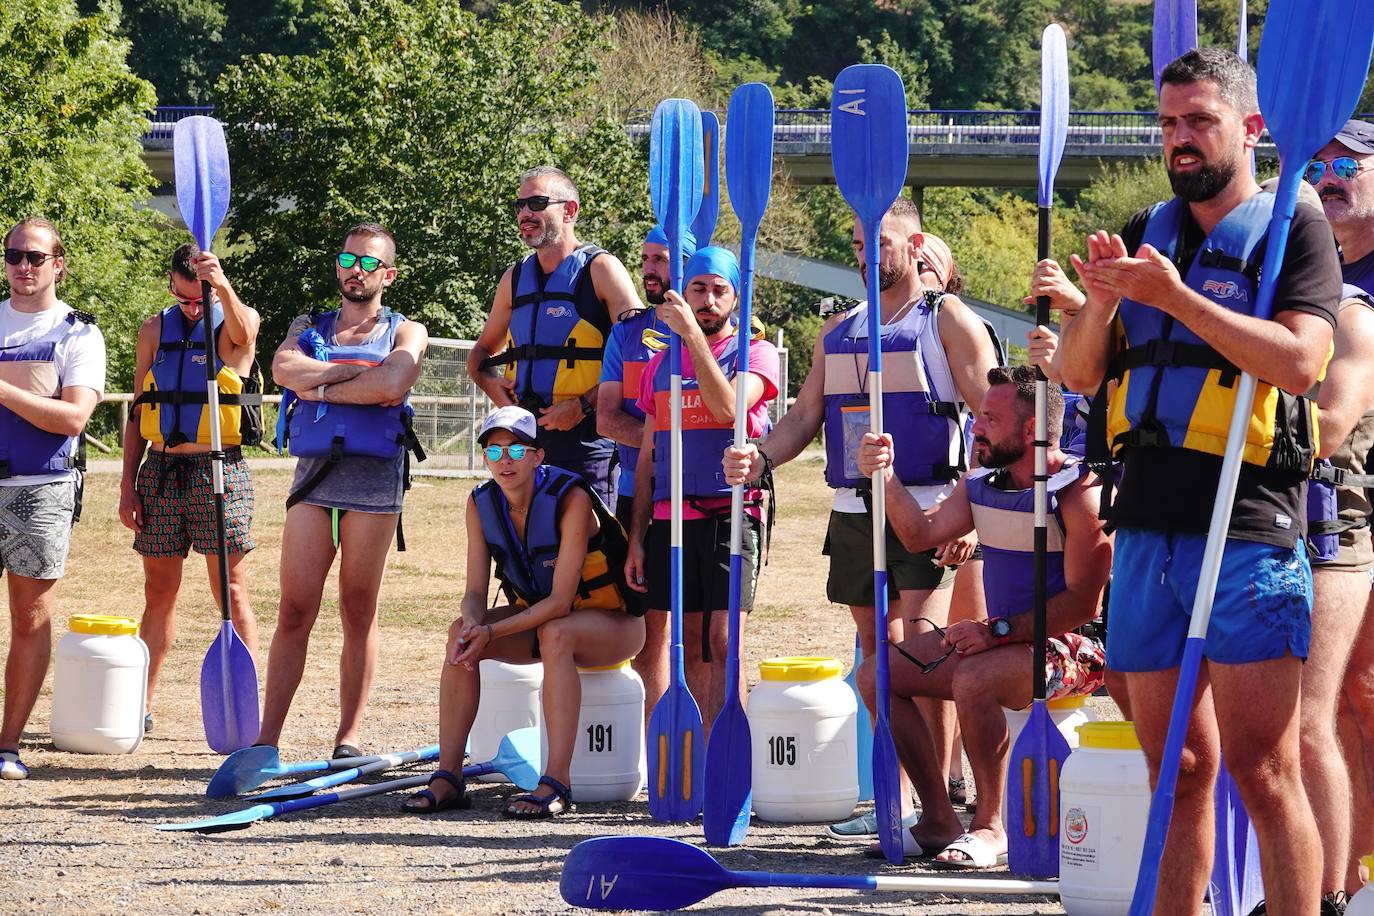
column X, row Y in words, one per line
column 102, row 625
column 1368, row 863
column 616, row 667
column 800, row 668
column 1067, row 703
column 1112, row 736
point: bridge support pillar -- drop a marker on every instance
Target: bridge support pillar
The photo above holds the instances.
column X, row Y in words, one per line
column 918, row 197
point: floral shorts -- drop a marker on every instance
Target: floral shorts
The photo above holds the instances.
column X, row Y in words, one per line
column 178, row 496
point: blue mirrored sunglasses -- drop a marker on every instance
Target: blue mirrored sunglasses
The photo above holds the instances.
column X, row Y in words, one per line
column 516, row 451
column 1343, row 167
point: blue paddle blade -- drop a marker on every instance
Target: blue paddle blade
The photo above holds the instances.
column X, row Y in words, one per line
column 1236, row 887
column 230, row 821
column 887, row 792
column 729, row 790
column 1033, row 816
column 869, row 146
column 640, row 873
column 1243, row 34
column 704, row 225
column 243, row 770
column 229, row 693
column 201, row 162
column 676, row 167
column 675, row 756
column 518, row 757
column 1175, row 32
column 863, row 727
column 1054, row 107
column 749, row 153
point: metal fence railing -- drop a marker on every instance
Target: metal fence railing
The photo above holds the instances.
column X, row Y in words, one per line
column 163, row 119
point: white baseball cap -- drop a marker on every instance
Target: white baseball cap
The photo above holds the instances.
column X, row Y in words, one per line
column 517, row 421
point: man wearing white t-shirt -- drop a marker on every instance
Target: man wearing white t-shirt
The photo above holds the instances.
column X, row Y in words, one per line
column 52, row 374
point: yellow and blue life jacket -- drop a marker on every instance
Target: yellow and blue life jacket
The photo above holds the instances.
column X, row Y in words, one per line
column 174, row 398
column 558, row 330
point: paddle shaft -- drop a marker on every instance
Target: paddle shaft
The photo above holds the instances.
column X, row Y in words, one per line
column 340, row 777
column 1162, row 802
column 1042, row 427
column 216, row 462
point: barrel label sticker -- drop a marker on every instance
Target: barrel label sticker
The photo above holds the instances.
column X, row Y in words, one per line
column 1079, row 848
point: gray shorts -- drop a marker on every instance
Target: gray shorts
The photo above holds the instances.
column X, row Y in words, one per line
column 357, row 483
column 36, row 528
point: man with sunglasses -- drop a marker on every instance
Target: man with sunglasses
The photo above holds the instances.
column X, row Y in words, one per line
column 1169, row 318
column 167, row 497
column 543, row 342
column 52, row 374
column 350, row 432
column 984, row 666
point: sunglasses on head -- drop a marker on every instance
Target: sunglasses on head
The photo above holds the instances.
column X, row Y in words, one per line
column 516, row 451
column 346, row 260
column 537, row 203
column 1343, row 167
column 13, row 256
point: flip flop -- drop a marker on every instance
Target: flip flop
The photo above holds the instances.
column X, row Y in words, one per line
column 911, row 849
column 979, row 851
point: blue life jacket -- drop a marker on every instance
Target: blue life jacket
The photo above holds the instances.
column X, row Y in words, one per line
column 25, row 449
column 525, row 568
column 1176, row 391
column 1073, row 437
column 641, row 336
column 320, row 430
column 1005, row 522
column 174, row 398
column 920, row 401
column 704, row 439
column 558, row 329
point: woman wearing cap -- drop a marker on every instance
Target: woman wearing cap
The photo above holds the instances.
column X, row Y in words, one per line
column 559, row 558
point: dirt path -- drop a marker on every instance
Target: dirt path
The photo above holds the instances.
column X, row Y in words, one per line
column 78, row 837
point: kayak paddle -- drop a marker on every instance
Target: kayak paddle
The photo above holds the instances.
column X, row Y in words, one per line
column 342, row 777
column 863, row 727
column 869, row 150
column 1313, row 61
column 729, row 789
column 228, row 676
column 245, row 770
column 1175, row 32
column 704, row 224
column 675, row 737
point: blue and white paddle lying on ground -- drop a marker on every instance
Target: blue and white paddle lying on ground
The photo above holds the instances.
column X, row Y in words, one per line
column 1313, row 62
column 343, row 777
column 657, row 873
column 518, row 758
column 245, row 770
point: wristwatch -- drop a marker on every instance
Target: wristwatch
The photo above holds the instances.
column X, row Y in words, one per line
column 1000, row 627
column 588, row 408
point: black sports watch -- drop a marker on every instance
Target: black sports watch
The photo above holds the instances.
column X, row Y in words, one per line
column 1000, row 627
column 588, row 408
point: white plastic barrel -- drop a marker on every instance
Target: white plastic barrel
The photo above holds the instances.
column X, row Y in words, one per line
column 1104, row 797
column 803, row 741
column 608, row 755
column 1067, row 714
column 100, row 684
column 510, row 700
column 1362, row 904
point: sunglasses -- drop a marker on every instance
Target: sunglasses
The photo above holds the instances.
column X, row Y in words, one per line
column 14, row 256
column 346, row 260
column 1343, row 167
column 926, row 667
column 536, row 204
column 187, row 301
column 516, row 451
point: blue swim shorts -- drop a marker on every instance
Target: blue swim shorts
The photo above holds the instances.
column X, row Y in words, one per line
column 1262, row 609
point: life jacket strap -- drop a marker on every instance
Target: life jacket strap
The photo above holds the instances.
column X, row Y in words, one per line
column 1340, row 477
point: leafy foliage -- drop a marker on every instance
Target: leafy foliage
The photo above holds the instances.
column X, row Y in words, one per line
column 69, row 150
column 420, row 115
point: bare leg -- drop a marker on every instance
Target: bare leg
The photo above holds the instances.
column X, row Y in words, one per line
column 651, row 664
column 700, row 674
column 967, row 603
column 307, row 552
column 1338, row 600
column 365, row 539
column 240, row 608
column 1187, row 861
column 30, row 648
column 1362, row 831
column 939, row 714
column 896, row 630
column 158, row 628
column 1359, row 707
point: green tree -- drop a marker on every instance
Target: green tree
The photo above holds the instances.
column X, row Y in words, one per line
column 69, row 150
column 420, row 115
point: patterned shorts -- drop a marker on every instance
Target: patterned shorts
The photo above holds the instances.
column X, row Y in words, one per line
column 1075, row 666
column 178, row 496
column 36, row 528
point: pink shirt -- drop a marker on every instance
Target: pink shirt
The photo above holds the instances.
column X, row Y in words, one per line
column 763, row 362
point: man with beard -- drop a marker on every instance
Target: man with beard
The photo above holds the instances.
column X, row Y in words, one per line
column 936, row 357
column 1168, row 317
column 985, row 665
column 547, row 329
column 350, row 429
column 168, row 499
column 701, row 315
column 52, row 374
column 637, row 336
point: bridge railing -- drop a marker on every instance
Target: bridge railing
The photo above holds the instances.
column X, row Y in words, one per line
column 164, row 118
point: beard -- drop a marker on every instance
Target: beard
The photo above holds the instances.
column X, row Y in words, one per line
column 366, row 294
column 550, row 233
column 710, row 330
column 889, row 275
column 1204, row 184
column 656, row 297
column 998, row 454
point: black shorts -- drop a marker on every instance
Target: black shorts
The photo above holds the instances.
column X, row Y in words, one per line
column 849, row 544
column 705, row 564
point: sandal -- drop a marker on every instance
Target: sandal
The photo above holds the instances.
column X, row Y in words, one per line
column 426, row 802
column 561, row 794
column 345, row 751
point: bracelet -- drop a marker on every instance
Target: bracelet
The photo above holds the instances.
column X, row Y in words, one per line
column 491, row 634
column 319, row 392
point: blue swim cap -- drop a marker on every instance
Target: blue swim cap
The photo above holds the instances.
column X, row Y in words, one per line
column 713, row 260
column 657, row 236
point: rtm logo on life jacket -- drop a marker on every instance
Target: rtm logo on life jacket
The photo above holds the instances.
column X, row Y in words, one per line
column 1225, row 289
column 558, row 311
